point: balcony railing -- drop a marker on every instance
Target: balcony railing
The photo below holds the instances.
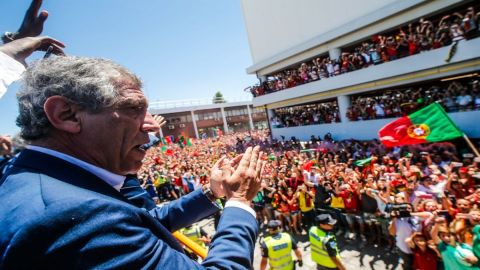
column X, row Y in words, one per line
column 169, row 104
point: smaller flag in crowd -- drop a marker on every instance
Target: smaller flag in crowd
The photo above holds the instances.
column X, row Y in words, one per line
column 363, row 162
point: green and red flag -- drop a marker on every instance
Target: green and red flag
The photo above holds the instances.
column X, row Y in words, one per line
column 363, row 162
column 430, row 124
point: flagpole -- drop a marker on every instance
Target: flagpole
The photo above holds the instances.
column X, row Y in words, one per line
column 475, row 150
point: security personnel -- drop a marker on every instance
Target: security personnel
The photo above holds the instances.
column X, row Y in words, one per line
column 277, row 249
column 197, row 235
column 323, row 244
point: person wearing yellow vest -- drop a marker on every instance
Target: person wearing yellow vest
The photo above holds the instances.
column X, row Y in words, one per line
column 305, row 198
column 323, row 244
column 197, row 235
column 277, row 249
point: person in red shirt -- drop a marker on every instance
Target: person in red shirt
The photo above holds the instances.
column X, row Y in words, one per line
column 425, row 256
column 412, row 45
column 352, row 206
column 293, row 208
column 294, row 181
column 284, row 211
column 391, row 49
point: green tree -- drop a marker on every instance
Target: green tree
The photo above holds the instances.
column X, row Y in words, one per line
column 218, row 98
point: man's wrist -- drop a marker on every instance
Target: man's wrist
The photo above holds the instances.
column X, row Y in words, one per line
column 210, row 196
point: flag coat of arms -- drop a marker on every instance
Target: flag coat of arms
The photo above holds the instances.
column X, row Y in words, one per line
column 430, row 124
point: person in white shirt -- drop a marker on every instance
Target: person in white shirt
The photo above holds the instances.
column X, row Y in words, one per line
column 464, row 100
column 14, row 54
column 380, row 113
column 20, row 44
column 313, row 176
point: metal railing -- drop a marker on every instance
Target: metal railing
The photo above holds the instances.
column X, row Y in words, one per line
column 169, row 104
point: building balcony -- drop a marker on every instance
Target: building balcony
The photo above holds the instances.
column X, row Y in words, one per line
column 424, row 66
column 368, row 129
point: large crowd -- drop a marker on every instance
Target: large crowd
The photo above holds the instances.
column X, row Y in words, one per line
column 455, row 96
column 311, row 114
column 414, row 38
column 421, row 199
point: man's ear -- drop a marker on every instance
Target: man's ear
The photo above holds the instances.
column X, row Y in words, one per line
column 62, row 114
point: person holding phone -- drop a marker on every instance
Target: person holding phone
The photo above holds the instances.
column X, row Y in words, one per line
column 401, row 228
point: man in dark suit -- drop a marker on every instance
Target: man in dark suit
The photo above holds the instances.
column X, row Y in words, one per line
column 86, row 120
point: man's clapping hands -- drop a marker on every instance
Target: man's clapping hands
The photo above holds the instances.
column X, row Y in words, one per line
column 238, row 179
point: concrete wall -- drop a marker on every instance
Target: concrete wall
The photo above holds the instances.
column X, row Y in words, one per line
column 277, row 25
column 367, row 130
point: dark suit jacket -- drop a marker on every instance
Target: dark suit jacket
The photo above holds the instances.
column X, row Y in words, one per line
column 55, row 215
column 135, row 194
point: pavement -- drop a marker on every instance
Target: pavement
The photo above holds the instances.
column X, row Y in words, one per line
column 354, row 253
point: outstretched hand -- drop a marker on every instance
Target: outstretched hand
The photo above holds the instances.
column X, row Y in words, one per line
column 32, row 24
column 20, row 49
column 160, row 120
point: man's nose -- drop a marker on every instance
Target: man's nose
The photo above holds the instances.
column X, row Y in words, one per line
column 150, row 124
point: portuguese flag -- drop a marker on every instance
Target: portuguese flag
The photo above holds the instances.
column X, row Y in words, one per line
column 430, row 124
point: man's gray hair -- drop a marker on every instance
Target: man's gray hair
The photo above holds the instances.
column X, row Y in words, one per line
column 91, row 83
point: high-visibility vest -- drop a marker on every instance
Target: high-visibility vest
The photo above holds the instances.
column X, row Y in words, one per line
column 219, row 204
column 162, row 180
column 194, row 234
column 302, row 201
column 318, row 240
column 337, row 202
column 280, row 252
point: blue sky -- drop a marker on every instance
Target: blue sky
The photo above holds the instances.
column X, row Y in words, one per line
column 182, row 49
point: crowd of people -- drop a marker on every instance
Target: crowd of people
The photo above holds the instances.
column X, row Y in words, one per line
column 70, row 199
column 311, row 114
column 455, row 96
column 418, row 37
column 421, row 199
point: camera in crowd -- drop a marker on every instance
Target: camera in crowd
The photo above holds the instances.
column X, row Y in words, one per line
column 399, row 210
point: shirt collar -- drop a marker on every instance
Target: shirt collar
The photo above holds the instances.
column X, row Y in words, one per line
column 114, row 180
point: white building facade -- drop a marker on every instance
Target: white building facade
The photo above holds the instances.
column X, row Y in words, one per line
column 284, row 33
